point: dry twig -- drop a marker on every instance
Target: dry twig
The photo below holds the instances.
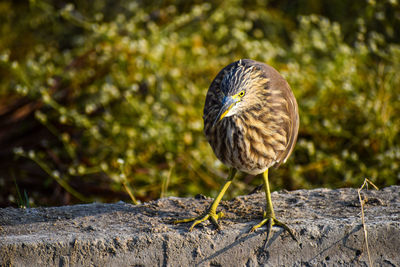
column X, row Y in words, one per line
column 362, row 202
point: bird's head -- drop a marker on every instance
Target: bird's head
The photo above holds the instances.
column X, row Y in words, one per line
column 236, row 87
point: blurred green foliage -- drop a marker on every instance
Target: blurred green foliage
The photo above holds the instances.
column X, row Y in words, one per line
column 111, row 93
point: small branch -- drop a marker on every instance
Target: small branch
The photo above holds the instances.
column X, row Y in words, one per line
column 125, row 182
column 362, row 202
column 129, row 190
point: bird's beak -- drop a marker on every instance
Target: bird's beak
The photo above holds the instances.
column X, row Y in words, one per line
column 227, row 103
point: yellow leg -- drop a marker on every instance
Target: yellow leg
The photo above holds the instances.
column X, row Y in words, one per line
column 269, row 215
column 211, row 213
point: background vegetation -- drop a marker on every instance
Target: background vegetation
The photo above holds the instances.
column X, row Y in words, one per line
column 103, row 97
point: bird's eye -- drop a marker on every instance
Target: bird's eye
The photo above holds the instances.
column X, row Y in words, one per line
column 241, row 94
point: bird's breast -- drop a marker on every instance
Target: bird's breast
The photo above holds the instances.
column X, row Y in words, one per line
column 248, row 149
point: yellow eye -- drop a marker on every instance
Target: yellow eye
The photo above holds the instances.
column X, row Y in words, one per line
column 241, row 94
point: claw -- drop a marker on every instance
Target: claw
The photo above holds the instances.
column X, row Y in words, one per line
column 209, row 215
column 284, row 226
column 271, row 221
column 199, row 220
column 184, row 220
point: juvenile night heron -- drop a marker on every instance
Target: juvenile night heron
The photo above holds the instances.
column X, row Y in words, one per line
column 251, row 121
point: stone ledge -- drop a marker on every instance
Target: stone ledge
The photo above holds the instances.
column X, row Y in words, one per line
column 327, row 224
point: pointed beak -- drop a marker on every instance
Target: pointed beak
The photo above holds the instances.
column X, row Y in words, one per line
column 227, row 103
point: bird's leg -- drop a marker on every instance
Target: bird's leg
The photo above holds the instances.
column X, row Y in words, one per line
column 211, row 213
column 269, row 215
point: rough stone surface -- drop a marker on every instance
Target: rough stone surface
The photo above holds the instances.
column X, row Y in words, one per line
column 327, row 224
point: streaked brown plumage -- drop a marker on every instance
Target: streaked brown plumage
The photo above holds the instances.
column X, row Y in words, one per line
column 263, row 131
column 251, row 121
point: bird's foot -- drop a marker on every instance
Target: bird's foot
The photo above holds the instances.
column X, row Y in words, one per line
column 270, row 220
column 209, row 215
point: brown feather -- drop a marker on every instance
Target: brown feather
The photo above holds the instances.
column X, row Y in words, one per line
column 263, row 131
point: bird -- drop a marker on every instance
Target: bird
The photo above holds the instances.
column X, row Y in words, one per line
column 251, row 121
